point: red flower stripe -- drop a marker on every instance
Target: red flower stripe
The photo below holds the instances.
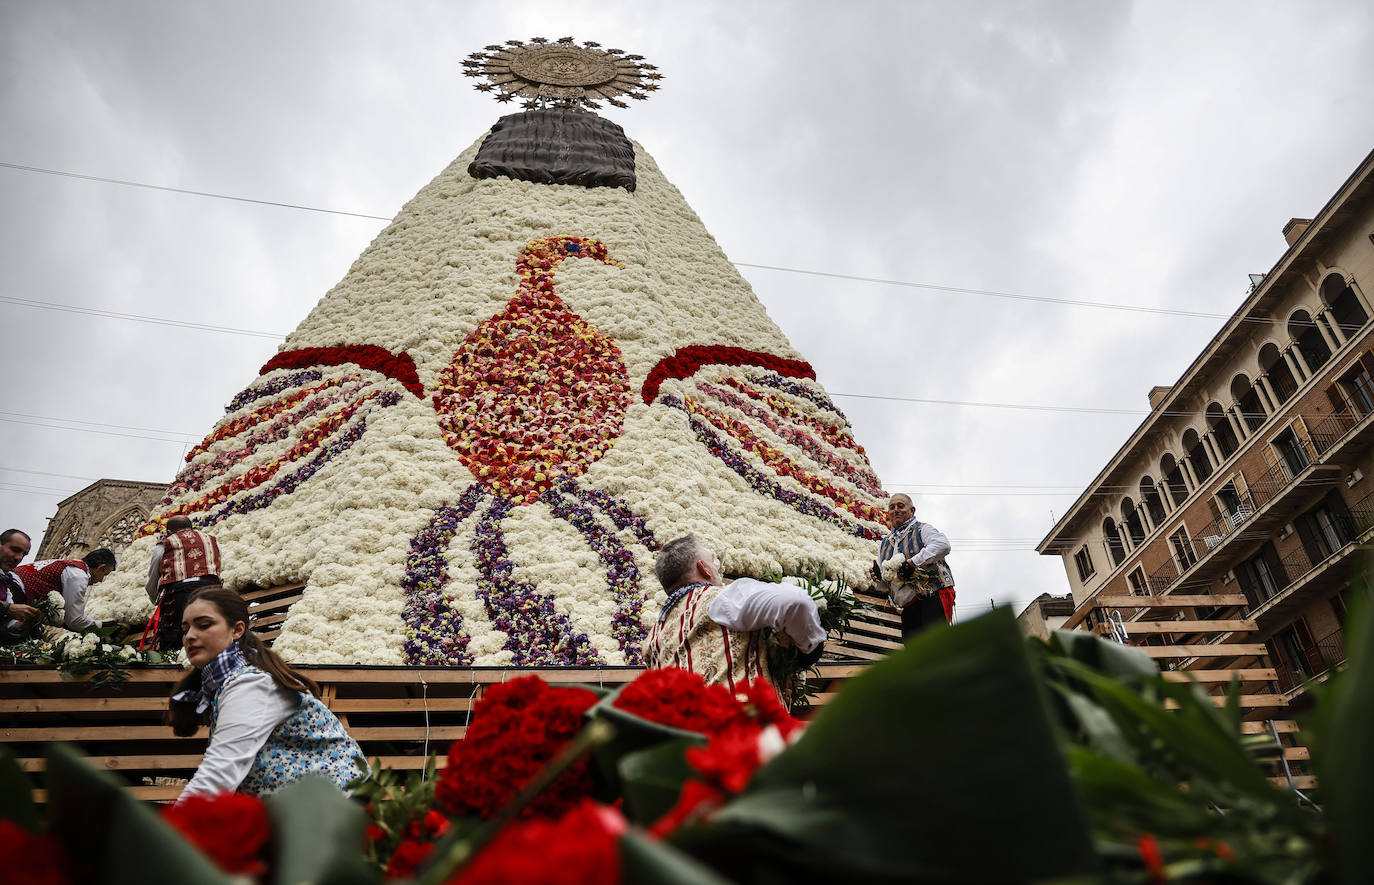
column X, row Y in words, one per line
column 685, row 362
column 783, row 408
column 860, row 476
column 196, row 475
column 783, row 465
column 397, row 366
column 259, row 415
column 309, row 441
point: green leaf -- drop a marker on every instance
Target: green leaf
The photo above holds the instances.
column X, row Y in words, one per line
column 111, row 836
column 1344, row 728
column 16, row 793
column 650, row 862
column 652, row 779
column 937, row 764
column 319, row 835
column 1113, row 659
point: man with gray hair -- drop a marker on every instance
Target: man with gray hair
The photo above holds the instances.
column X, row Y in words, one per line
column 716, row 629
column 911, row 569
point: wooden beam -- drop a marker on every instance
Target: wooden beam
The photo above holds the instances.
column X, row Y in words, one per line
column 1218, row 626
column 192, row 761
column 1285, row 726
column 93, row 733
column 1254, row 674
column 399, row 705
column 1172, row 601
column 1301, row 782
column 1220, row 650
column 1247, row 701
column 154, row 703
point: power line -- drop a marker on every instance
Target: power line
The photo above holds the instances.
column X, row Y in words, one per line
column 992, row 293
column 908, row 284
column 93, row 430
column 98, row 424
column 135, row 317
column 178, row 190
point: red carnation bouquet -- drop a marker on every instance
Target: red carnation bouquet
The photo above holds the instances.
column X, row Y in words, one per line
column 579, row 848
column 517, row 729
column 232, row 829
column 30, row 858
column 682, row 699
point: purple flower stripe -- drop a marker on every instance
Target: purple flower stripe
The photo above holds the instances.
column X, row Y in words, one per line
column 761, row 483
column 435, row 635
column 823, row 457
column 269, row 388
column 194, row 476
column 621, row 572
column 538, row 636
column 617, row 510
column 330, row 450
column 777, row 382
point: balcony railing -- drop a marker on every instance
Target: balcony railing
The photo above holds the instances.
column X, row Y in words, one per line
column 1345, row 528
column 1260, row 490
column 1327, row 655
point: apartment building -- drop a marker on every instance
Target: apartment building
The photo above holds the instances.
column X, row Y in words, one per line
column 1223, row 536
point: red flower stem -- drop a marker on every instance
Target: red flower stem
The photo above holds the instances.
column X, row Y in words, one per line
column 453, row 852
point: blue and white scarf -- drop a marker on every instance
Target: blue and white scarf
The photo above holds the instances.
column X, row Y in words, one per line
column 212, row 678
column 676, row 596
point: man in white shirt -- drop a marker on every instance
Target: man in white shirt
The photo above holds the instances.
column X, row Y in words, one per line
column 716, row 629
column 923, row 588
column 73, row 578
column 14, row 607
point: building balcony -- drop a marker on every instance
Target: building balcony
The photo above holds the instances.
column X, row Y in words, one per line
column 1318, row 572
column 1317, row 664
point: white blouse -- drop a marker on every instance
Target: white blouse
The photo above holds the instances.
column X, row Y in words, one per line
column 250, row 708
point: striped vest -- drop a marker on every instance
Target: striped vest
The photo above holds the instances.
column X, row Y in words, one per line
column 689, row 640
column 42, row 578
column 188, row 554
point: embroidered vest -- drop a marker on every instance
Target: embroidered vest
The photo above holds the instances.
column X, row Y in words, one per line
column 188, row 554
column 42, row 578
column 689, row 640
column 310, row 741
column 907, row 541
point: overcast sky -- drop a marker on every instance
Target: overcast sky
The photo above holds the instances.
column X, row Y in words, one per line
column 1142, row 154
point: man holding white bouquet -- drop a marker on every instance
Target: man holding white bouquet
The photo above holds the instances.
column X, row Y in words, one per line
column 912, row 571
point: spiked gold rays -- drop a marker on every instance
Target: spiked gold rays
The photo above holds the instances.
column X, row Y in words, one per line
column 561, row 73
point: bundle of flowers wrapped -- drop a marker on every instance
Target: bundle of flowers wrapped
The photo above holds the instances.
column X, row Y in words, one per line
column 945, row 762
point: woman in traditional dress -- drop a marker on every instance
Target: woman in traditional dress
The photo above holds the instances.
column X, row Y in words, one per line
column 268, row 727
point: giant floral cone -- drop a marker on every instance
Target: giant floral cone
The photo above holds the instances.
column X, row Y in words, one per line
column 472, row 446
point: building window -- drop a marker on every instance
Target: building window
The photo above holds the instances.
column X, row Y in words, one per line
column 1184, row 557
column 1358, row 387
column 1222, row 432
column 1345, row 305
column 1154, row 503
column 1291, row 451
column 1276, row 370
column 1115, row 549
column 1130, row 517
column 1197, row 455
column 1325, row 528
column 1139, row 587
column 1311, row 344
column 1262, row 576
column 1083, row 559
column 1173, row 479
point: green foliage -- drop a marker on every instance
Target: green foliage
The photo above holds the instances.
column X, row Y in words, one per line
column 912, row 772
column 110, row 836
column 393, row 801
column 836, row 605
column 16, row 799
column 91, row 656
column 317, row 835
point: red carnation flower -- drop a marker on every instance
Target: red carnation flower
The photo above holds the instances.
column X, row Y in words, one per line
column 682, row 699
column 517, row 729
column 580, row 848
column 408, row 858
column 232, row 829
column 30, row 858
